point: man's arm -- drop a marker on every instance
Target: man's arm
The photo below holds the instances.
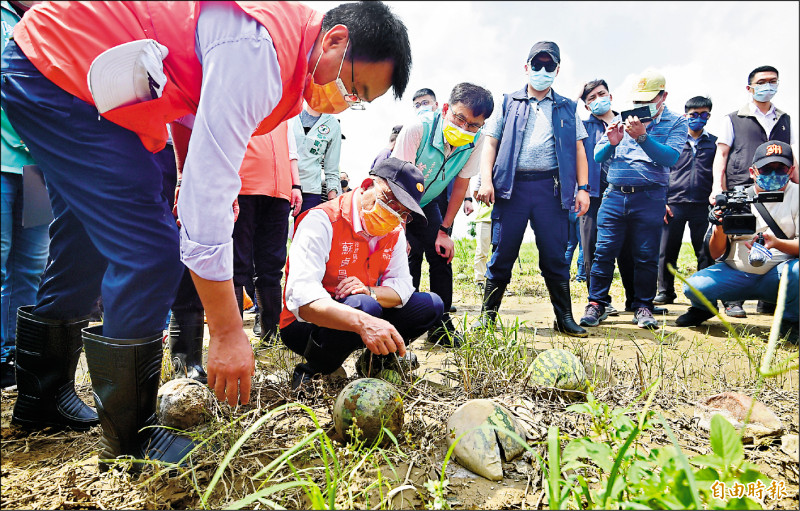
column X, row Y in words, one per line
column 582, row 176
column 444, row 244
column 718, row 242
column 718, row 171
column 332, row 156
column 380, row 336
column 485, row 192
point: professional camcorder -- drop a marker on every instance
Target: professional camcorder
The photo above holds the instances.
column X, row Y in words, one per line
column 737, row 217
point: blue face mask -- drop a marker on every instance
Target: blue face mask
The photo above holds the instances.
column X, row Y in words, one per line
column 764, row 92
column 600, row 105
column 772, row 181
column 696, row 123
column 540, row 80
column 425, row 109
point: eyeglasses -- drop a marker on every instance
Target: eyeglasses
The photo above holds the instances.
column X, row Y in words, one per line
column 702, row 115
column 461, row 122
column 395, row 205
column 424, row 102
column 551, row 66
column 773, row 81
column 353, row 101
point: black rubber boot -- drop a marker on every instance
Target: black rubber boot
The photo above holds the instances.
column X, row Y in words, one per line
column 186, row 331
column 125, row 378
column 46, row 358
column 492, row 297
column 562, row 306
column 269, row 306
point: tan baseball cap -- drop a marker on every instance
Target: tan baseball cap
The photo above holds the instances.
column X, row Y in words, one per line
column 648, row 85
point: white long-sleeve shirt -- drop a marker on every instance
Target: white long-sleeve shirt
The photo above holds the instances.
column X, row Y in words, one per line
column 310, row 251
column 241, row 86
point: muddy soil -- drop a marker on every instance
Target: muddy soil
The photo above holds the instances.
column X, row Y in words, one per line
column 58, row 470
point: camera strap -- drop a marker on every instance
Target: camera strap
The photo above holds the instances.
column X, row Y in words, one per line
column 762, row 210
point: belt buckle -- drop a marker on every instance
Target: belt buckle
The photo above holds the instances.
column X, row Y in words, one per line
column 631, row 189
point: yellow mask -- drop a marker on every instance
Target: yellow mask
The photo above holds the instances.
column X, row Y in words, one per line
column 380, row 220
column 455, row 136
column 327, row 98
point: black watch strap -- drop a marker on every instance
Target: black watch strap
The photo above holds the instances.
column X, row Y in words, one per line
column 446, row 230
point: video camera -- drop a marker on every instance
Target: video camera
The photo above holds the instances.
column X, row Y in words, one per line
column 737, row 217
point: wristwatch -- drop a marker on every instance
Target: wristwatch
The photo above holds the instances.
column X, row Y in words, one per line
column 446, row 230
column 372, row 293
column 641, row 138
column 584, row 187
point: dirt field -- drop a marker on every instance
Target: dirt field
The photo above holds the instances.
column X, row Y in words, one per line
column 58, row 470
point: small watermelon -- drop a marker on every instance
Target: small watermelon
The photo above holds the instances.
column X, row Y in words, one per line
column 371, row 404
column 391, row 376
column 558, row 368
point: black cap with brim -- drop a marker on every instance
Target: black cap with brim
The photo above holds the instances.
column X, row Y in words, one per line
column 773, row 151
column 406, row 182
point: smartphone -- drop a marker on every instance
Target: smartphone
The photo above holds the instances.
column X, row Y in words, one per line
column 643, row 113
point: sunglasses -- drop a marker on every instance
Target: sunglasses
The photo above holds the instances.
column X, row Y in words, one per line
column 702, row 115
column 548, row 66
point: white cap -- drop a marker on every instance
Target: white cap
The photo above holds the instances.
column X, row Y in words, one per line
column 127, row 74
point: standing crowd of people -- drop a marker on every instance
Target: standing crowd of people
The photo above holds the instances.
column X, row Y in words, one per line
column 171, row 196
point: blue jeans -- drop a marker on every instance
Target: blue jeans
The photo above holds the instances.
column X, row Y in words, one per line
column 637, row 218
column 24, row 256
column 721, row 282
column 534, row 202
column 421, row 312
column 113, row 234
column 574, row 240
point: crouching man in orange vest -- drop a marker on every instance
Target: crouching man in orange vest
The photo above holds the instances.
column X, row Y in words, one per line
column 90, row 87
column 347, row 280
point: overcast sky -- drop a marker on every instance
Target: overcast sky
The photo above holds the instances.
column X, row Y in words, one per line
column 702, row 48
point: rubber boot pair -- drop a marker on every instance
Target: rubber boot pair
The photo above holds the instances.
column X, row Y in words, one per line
column 125, row 377
column 186, row 329
column 559, row 296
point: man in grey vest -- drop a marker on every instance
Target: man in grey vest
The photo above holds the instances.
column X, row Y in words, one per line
column 753, row 124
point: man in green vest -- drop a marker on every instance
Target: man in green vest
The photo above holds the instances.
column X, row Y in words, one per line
column 445, row 145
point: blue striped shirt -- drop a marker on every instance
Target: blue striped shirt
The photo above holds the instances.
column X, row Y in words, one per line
column 631, row 166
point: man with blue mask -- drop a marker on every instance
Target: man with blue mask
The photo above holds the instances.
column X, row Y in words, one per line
column 745, row 271
column 597, row 99
column 424, row 100
column 687, row 197
column 534, row 170
column 641, row 152
column 753, row 124
column 445, row 145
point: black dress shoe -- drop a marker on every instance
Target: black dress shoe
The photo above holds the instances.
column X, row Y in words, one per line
column 693, row 317
column 765, row 307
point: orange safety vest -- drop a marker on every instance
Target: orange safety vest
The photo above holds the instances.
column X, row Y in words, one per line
column 63, row 38
column 266, row 169
column 349, row 255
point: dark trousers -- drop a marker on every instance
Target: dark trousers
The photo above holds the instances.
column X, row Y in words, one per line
column 533, row 202
column 113, row 232
column 309, row 201
column 637, row 218
column 421, row 312
column 696, row 215
column 422, row 239
column 589, row 243
column 259, row 250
